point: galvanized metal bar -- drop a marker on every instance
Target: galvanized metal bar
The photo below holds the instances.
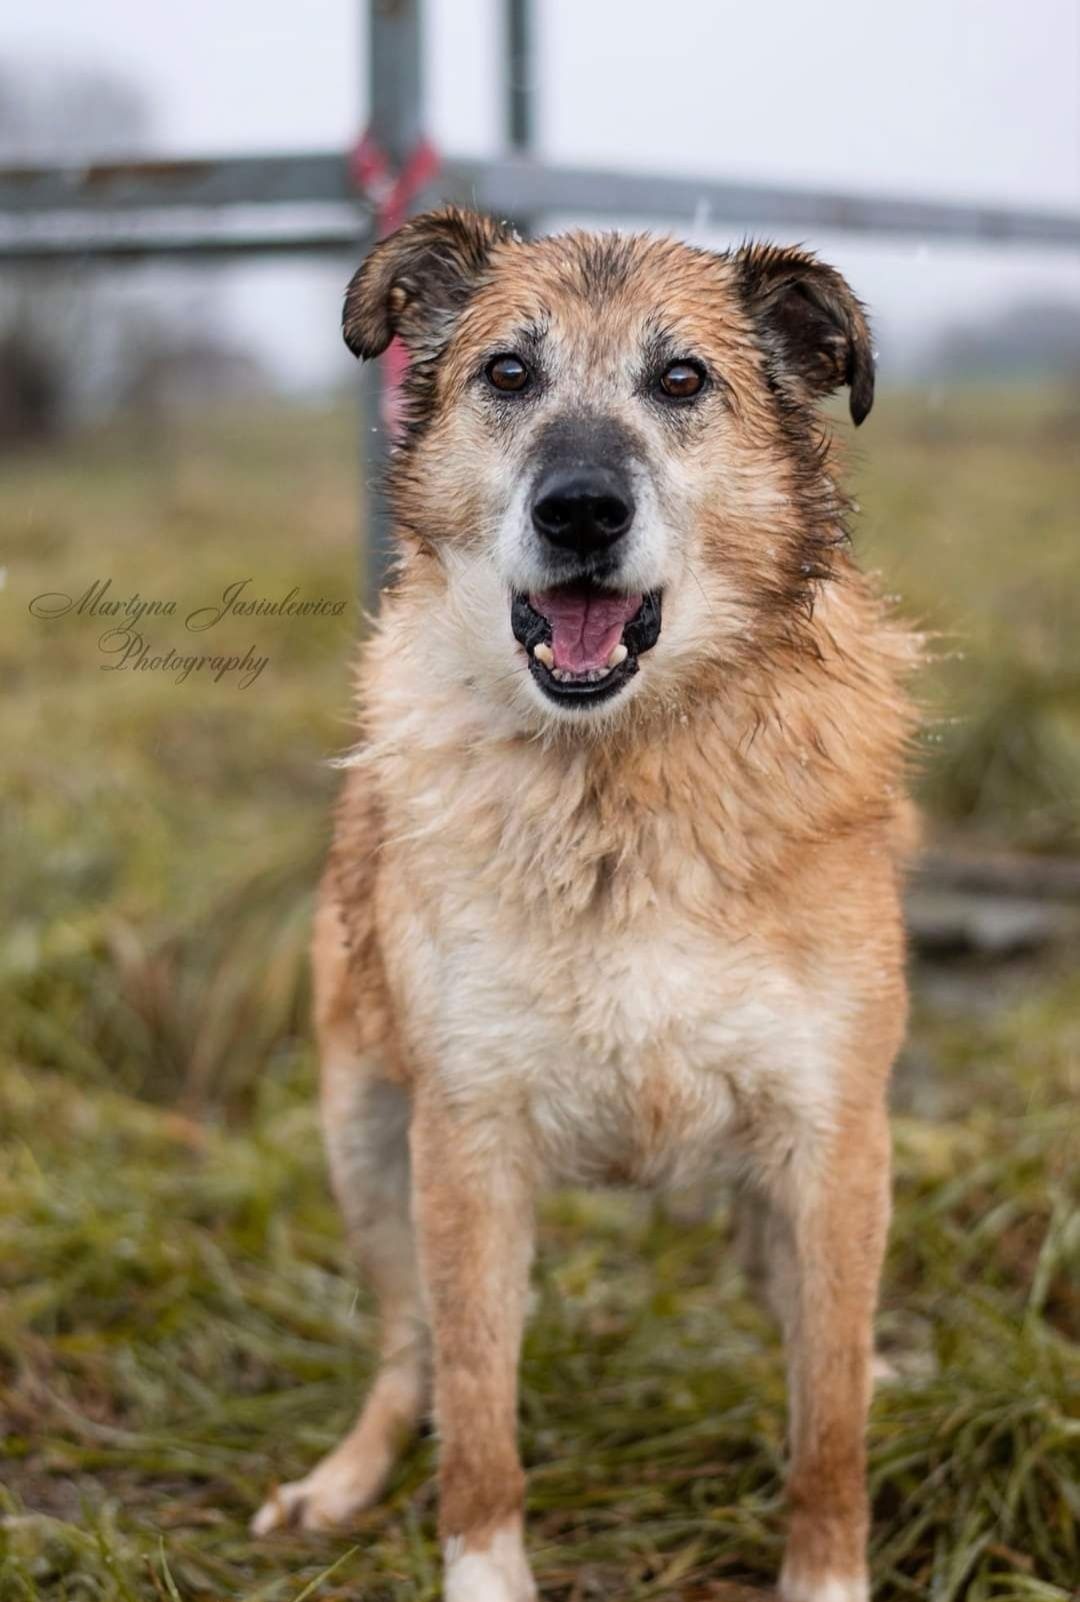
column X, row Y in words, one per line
column 63, row 212
column 123, row 239
column 395, row 68
column 146, row 184
column 510, row 186
column 75, row 199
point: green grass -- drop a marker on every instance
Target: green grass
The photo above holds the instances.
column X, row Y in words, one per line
column 179, row 1325
column 180, row 1328
column 970, row 510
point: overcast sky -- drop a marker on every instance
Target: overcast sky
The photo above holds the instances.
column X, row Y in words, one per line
column 971, row 99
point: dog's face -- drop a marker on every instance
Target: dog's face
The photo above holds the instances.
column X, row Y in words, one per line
column 612, row 452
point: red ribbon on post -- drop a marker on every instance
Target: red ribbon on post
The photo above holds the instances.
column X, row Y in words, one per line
column 392, row 194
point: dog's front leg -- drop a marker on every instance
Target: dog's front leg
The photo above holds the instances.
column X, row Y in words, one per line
column 474, row 1216
column 836, row 1207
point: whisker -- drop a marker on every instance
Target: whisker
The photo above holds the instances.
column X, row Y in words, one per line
column 693, row 574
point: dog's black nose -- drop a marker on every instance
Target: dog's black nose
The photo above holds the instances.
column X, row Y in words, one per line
column 583, row 509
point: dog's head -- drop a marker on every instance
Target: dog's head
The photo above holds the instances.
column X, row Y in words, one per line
column 612, row 454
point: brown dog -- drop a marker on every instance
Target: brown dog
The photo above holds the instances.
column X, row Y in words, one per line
column 614, row 891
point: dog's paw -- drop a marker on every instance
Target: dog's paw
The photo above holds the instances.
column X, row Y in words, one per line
column 329, row 1498
column 497, row 1572
column 795, row 1587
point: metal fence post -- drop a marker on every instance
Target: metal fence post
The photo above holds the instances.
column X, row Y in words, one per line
column 519, row 100
column 519, row 69
column 395, row 99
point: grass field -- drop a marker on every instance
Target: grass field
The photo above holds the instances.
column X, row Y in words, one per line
column 179, row 1325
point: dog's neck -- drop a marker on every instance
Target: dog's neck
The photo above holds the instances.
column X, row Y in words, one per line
column 736, row 780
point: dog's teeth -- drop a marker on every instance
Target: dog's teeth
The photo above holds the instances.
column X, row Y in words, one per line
column 544, row 653
column 619, row 654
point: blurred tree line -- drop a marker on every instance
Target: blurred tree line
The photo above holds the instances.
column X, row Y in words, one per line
column 78, row 338
column 1032, row 339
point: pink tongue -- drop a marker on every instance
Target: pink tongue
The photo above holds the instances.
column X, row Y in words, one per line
column 585, row 627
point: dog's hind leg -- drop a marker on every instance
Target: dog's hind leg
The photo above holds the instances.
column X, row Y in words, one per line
column 765, row 1253
column 366, row 1125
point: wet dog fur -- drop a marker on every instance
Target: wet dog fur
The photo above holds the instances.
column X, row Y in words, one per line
column 611, row 924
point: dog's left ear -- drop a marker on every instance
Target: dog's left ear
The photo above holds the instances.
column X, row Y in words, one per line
column 417, row 281
column 814, row 330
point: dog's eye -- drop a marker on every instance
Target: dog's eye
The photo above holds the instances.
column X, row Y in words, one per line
column 507, row 373
column 682, row 380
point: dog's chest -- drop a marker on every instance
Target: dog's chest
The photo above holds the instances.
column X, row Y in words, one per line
column 642, row 1053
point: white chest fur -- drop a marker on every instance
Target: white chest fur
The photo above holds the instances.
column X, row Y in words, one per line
column 646, row 1053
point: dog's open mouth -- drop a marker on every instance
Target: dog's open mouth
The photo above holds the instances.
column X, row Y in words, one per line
column 583, row 641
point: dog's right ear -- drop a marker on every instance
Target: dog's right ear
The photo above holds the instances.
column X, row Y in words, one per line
column 417, row 281
column 813, row 328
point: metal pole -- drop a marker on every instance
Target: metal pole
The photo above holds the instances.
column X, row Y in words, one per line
column 395, row 100
column 520, row 129
column 519, row 101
